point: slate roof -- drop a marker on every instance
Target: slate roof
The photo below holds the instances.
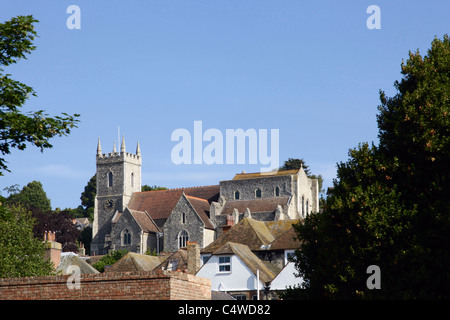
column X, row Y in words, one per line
column 255, row 205
column 287, row 240
column 160, row 203
column 136, row 262
column 242, row 176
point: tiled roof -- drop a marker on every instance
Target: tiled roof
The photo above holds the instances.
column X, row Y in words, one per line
column 258, row 235
column 160, row 203
column 255, row 205
column 68, row 259
column 136, row 262
column 250, row 232
column 267, row 272
column 176, row 261
column 201, row 206
column 144, row 221
column 241, row 176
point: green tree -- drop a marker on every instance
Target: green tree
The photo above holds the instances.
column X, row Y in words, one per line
column 390, row 204
column 109, row 259
column 88, row 197
column 21, row 254
column 152, row 188
column 32, row 196
column 291, row 164
column 18, row 128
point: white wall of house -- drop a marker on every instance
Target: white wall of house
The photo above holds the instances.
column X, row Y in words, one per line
column 286, row 278
column 238, row 278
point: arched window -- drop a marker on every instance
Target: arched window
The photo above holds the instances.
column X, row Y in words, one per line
column 277, row 191
column 303, row 206
column 307, row 207
column 132, row 180
column 126, row 237
column 258, row 193
column 237, row 195
column 183, row 238
column 110, row 179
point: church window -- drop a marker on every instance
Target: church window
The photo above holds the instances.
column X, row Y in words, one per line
column 132, row 180
column 183, row 218
column 183, row 238
column 277, row 191
column 237, row 195
column 126, row 237
column 307, row 207
column 303, row 206
column 110, row 179
column 258, row 193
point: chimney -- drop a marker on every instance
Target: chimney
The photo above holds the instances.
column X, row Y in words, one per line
column 193, row 257
column 229, row 223
column 52, row 248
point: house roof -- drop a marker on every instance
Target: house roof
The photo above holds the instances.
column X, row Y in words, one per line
column 68, row 259
column 255, row 205
column 160, row 203
column 144, row 221
column 250, row 232
column 258, row 235
column 267, row 271
column 177, row 261
column 136, row 262
column 244, row 175
column 201, row 206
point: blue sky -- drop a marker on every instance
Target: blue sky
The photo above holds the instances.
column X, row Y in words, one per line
column 311, row 69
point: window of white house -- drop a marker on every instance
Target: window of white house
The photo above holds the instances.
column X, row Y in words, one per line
column 225, row 264
column 258, row 193
column 287, row 255
column 183, row 238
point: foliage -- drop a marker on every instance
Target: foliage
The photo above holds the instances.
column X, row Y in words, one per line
column 291, row 164
column 109, row 259
column 88, row 197
column 152, row 188
column 17, row 128
column 32, row 197
column 21, row 254
column 390, row 204
column 61, row 223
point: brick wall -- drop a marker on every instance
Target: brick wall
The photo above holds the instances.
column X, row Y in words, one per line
column 161, row 285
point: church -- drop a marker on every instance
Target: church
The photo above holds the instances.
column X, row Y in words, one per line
column 164, row 220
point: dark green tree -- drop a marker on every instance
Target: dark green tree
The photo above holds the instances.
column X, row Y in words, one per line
column 109, row 259
column 18, row 128
column 390, row 205
column 21, row 254
column 32, row 197
column 88, row 197
column 152, row 188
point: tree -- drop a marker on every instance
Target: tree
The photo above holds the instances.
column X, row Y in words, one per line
column 88, row 197
column 291, row 164
column 152, row 188
column 21, row 254
column 109, row 259
column 390, row 204
column 62, row 224
column 18, row 128
column 32, row 197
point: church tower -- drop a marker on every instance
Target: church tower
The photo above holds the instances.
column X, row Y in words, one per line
column 118, row 176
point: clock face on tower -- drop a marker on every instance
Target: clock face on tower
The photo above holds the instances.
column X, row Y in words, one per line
column 109, row 205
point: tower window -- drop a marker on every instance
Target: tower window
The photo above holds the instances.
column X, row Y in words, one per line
column 183, row 238
column 258, row 193
column 126, row 237
column 132, row 180
column 237, row 195
column 110, row 179
column 277, row 191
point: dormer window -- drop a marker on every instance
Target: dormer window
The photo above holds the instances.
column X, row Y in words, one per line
column 237, row 195
column 258, row 193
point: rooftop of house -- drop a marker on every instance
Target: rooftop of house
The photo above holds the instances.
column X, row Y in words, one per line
column 136, row 262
